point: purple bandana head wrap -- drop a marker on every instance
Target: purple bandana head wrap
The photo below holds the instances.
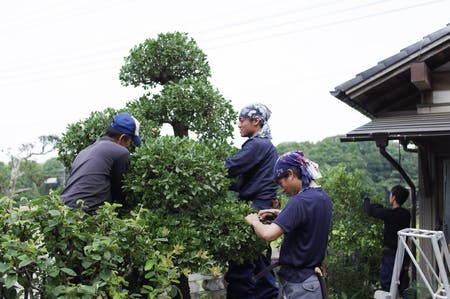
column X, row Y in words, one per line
column 309, row 169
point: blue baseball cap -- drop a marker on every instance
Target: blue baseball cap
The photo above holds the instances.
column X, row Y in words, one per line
column 127, row 124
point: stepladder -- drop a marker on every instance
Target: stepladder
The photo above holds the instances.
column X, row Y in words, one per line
column 432, row 267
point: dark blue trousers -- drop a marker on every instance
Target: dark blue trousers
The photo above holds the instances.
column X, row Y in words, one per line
column 240, row 279
column 387, row 267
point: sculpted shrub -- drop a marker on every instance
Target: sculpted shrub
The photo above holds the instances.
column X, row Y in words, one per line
column 82, row 134
column 183, row 182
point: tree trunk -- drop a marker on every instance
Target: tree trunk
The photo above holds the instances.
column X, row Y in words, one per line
column 15, row 174
column 180, row 129
column 184, row 288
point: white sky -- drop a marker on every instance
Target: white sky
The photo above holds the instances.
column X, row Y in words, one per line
column 60, row 59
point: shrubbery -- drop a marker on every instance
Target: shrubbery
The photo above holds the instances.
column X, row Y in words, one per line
column 184, row 183
column 178, row 218
column 354, row 248
column 51, row 251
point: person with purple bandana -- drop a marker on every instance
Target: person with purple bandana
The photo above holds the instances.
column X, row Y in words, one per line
column 253, row 168
column 305, row 224
column 97, row 171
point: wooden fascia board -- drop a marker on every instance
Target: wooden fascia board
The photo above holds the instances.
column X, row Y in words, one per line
column 420, row 75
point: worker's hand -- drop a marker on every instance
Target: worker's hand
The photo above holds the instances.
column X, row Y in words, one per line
column 264, row 213
column 366, row 202
column 252, row 218
column 268, row 215
column 365, row 196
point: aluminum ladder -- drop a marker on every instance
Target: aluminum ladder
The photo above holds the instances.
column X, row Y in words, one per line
column 437, row 283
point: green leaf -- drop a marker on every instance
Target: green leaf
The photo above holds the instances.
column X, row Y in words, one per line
column 25, row 262
column 149, row 265
column 86, row 264
column 54, row 212
column 88, row 289
column 105, row 275
column 53, row 272
column 96, row 257
column 69, row 271
column 10, row 280
column 107, row 255
column 4, row 267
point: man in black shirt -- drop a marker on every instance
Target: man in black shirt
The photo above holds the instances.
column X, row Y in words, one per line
column 97, row 171
column 395, row 219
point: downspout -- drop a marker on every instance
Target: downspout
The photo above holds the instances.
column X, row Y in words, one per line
column 381, row 141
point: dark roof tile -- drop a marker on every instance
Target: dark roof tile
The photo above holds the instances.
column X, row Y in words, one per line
column 383, row 64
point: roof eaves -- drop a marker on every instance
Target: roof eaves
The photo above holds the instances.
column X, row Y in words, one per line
column 394, row 59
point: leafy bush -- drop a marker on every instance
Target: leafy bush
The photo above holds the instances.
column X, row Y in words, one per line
column 51, row 251
column 183, row 183
column 82, row 134
column 354, row 249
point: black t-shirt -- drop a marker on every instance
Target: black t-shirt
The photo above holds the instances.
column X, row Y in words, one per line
column 394, row 221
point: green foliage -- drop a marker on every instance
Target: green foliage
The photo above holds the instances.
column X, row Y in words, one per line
column 82, row 134
column 32, row 177
column 190, row 105
column 53, row 167
column 51, row 251
column 362, row 156
column 31, row 182
column 177, row 174
column 187, row 101
column 169, row 57
column 184, row 182
column 5, row 173
column 354, row 249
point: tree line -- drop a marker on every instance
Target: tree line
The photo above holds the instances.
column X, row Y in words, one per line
column 36, row 179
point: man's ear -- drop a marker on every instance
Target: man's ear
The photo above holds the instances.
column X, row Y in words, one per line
column 257, row 122
column 291, row 174
column 123, row 138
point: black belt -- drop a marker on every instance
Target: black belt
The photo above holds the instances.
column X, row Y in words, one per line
column 266, row 270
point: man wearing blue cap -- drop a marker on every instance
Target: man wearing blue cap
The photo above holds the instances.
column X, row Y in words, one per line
column 305, row 224
column 97, row 171
column 253, row 166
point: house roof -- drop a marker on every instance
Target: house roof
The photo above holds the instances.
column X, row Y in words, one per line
column 403, row 127
column 386, row 94
column 387, row 87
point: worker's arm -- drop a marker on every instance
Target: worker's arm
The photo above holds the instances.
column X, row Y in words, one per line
column 267, row 232
column 375, row 209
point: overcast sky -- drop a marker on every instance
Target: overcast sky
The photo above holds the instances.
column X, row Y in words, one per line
column 60, row 59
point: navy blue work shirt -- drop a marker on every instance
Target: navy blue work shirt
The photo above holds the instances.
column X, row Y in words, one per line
column 253, row 165
column 306, row 223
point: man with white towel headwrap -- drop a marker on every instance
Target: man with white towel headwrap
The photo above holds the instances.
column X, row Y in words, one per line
column 253, row 168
